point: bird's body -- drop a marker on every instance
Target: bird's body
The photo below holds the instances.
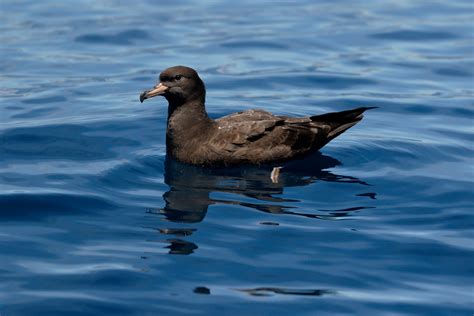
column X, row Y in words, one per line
column 248, row 137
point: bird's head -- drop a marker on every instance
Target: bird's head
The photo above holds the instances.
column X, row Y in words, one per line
column 179, row 85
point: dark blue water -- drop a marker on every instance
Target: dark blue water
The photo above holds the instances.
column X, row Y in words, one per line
column 95, row 220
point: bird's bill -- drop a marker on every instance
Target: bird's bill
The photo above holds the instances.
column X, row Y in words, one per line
column 159, row 89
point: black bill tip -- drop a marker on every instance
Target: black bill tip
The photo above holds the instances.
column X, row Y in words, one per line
column 143, row 96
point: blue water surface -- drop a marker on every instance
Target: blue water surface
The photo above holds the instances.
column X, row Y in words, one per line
column 96, row 220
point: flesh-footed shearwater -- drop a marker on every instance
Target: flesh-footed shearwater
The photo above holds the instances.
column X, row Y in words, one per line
column 247, row 137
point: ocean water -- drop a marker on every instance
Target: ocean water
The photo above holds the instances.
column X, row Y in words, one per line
column 96, row 220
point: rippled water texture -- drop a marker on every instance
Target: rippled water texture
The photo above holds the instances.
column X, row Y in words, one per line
column 95, row 220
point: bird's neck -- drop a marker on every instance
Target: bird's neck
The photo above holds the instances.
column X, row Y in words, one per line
column 187, row 125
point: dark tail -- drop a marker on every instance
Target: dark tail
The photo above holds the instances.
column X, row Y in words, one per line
column 339, row 122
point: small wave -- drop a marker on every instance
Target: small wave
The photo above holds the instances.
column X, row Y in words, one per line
column 64, row 142
column 414, row 35
column 128, row 37
column 29, row 207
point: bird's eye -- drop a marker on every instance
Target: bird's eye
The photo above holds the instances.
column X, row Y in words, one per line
column 178, row 77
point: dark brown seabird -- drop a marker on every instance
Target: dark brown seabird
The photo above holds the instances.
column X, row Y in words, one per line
column 248, row 137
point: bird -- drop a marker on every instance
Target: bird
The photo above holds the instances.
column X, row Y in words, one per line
column 251, row 137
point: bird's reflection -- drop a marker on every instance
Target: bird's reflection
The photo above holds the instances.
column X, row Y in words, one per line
column 190, row 187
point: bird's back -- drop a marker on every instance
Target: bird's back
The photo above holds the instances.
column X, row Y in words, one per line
column 257, row 136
